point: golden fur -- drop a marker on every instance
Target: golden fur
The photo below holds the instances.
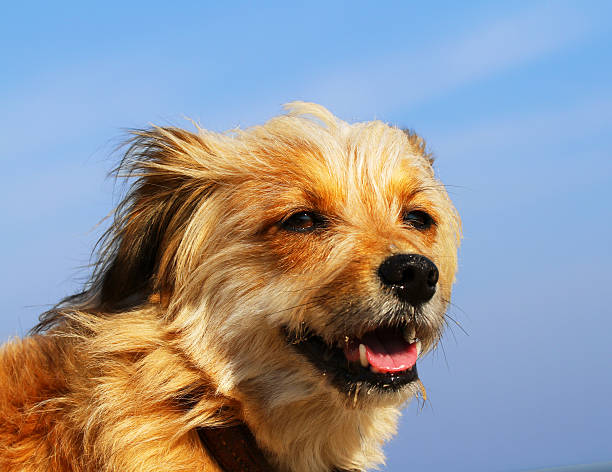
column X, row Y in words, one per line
column 181, row 324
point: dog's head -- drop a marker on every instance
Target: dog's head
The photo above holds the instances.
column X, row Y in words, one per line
column 301, row 258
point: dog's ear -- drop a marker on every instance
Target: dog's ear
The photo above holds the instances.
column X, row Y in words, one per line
column 138, row 250
column 419, row 145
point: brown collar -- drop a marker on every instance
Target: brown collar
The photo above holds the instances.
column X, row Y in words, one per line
column 235, row 450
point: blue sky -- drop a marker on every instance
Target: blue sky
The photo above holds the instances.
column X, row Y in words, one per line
column 514, row 98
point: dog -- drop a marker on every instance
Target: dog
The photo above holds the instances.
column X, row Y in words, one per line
column 259, row 302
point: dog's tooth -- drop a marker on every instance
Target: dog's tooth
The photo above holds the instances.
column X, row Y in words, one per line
column 363, row 359
column 418, row 348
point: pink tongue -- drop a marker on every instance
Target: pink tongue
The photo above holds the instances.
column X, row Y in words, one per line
column 386, row 350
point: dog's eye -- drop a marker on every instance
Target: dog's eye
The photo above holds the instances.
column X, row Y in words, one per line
column 418, row 219
column 302, row 222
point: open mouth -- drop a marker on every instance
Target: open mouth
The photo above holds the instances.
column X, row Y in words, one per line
column 383, row 358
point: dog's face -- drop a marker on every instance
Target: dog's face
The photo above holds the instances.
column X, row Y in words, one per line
column 295, row 260
column 317, row 261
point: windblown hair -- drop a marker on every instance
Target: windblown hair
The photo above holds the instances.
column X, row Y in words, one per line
column 136, row 255
column 180, row 325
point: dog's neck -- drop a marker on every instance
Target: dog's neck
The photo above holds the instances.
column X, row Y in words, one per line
column 234, row 449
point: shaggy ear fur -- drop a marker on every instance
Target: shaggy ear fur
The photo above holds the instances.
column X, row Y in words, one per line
column 149, row 224
column 136, row 253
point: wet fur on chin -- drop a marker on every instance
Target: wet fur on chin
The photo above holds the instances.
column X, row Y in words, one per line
column 182, row 322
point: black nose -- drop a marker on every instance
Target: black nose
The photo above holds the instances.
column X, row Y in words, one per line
column 412, row 277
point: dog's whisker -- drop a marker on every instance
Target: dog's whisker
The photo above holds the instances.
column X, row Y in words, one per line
column 454, row 305
column 450, row 329
column 456, row 323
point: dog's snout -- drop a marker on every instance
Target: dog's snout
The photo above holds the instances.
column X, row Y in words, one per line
column 412, row 277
